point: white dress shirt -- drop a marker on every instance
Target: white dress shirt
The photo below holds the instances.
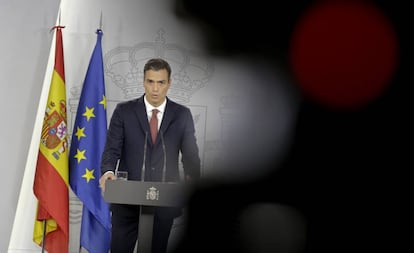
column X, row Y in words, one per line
column 161, row 110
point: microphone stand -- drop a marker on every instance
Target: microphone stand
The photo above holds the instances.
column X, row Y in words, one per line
column 144, row 158
column 164, row 168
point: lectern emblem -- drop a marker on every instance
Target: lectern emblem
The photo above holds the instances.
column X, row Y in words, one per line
column 152, row 193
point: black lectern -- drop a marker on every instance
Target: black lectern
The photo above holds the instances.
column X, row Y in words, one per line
column 149, row 195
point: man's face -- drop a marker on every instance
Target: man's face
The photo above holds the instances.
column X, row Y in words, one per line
column 156, row 84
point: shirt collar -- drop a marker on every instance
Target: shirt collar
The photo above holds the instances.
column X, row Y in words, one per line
column 149, row 107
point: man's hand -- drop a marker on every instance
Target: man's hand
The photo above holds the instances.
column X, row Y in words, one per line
column 109, row 175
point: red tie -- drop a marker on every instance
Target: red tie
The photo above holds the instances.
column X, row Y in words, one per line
column 154, row 125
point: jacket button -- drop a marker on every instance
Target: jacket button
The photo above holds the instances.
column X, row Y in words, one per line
column 153, row 168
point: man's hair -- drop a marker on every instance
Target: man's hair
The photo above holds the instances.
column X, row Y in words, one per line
column 157, row 64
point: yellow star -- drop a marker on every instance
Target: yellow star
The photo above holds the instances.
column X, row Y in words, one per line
column 88, row 175
column 103, row 101
column 80, row 133
column 80, row 155
column 89, row 113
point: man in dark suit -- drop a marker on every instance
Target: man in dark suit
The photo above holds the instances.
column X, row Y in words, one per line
column 141, row 153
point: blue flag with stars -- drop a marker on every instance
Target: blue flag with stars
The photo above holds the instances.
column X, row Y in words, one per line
column 88, row 140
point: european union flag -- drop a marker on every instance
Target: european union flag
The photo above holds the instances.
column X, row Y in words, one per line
column 88, row 140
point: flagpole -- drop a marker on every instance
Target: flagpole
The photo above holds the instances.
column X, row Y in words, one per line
column 100, row 22
column 44, row 235
column 45, row 220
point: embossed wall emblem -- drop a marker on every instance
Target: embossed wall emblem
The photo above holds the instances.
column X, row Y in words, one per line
column 190, row 71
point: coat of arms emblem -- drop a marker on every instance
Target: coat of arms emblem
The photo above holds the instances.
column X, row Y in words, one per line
column 54, row 128
column 152, row 193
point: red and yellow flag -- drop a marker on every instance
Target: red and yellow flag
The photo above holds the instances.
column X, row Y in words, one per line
column 51, row 178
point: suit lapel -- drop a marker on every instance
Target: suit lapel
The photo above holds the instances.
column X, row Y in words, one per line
column 141, row 113
column 168, row 116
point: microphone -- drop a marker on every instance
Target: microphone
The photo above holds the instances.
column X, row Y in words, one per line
column 144, row 158
column 164, row 167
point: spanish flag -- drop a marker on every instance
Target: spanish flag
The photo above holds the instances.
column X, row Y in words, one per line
column 51, row 228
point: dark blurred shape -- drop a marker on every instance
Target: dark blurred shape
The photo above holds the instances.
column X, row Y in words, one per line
column 346, row 171
column 268, row 228
column 232, row 27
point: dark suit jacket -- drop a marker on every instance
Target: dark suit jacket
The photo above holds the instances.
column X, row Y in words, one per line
column 128, row 138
